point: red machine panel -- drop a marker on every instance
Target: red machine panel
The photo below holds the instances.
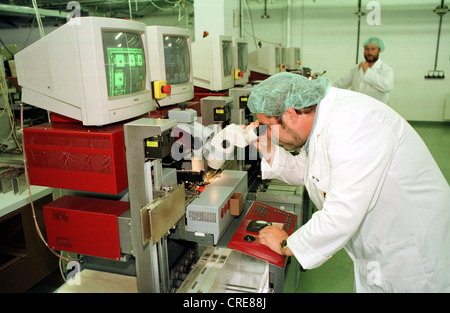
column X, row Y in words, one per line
column 73, row 156
column 248, row 242
column 84, row 225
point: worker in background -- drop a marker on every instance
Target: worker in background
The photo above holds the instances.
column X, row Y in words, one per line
column 372, row 77
column 378, row 190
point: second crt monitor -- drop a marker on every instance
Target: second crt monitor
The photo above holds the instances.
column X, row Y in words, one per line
column 240, row 63
column 170, row 60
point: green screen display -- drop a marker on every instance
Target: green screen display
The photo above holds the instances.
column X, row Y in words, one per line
column 124, row 63
column 176, row 57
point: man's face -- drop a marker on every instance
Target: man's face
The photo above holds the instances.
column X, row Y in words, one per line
column 371, row 53
column 288, row 134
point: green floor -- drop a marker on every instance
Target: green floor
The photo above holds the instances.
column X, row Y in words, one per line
column 336, row 275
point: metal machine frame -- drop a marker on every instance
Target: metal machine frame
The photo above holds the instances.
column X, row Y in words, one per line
column 150, row 259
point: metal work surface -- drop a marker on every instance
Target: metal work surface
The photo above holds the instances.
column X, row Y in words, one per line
column 225, row 270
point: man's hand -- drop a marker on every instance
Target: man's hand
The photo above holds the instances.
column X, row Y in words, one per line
column 271, row 237
column 264, row 142
column 364, row 65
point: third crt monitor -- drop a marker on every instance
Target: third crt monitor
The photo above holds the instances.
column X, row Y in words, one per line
column 92, row 69
column 213, row 62
column 265, row 60
column 240, row 63
column 292, row 58
column 170, row 60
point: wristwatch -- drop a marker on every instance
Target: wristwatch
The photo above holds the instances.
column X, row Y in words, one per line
column 283, row 246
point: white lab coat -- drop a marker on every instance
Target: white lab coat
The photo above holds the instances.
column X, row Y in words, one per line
column 379, row 194
column 377, row 81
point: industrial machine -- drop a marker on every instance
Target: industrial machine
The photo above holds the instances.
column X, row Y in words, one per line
column 145, row 196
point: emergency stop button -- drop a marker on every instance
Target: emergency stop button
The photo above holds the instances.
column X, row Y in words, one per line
column 167, row 89
column 161, row 89
column 238, row 73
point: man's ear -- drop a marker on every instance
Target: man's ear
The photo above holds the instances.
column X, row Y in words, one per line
column 291, row 115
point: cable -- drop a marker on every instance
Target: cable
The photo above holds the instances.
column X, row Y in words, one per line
column 29, row 33
column 164, row 9
column 31, row 198
column 159, row 106
column 38, row 17
column 7, row 108
column 251, row 23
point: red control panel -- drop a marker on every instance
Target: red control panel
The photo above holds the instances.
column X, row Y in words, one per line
column 247, row 241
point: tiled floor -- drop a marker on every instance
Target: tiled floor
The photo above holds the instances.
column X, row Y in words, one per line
column 336, row 275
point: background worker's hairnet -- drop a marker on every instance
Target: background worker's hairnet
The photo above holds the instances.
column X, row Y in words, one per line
column 277, row 93
column 374, row 41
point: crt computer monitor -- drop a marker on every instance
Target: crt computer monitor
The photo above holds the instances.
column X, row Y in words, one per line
column 92, row 69
column 292, row 58
column 170, row 60
column 212, row 58
column 265, row 60
column 240, row 61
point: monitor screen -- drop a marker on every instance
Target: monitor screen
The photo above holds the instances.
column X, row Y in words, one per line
column 297, row 54
column 242, row 56
column 124, row 63
column 277, row 56
column 227, row 57
column 177, row 60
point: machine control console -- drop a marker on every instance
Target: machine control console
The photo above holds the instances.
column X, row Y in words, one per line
column 258, row 216
column 257, row 225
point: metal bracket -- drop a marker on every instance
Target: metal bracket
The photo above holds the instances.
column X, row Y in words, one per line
column 161, row 214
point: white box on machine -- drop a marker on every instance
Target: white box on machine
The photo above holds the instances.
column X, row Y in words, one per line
column 210, row 212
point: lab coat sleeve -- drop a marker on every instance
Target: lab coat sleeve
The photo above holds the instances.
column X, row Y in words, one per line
column 383, row 81
column 285, row 167
column 345, row 81
column 359, row 150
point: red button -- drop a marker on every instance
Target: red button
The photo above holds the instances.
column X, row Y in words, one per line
column 167, row 89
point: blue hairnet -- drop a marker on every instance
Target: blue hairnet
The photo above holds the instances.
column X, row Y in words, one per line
column 374, row 41
column 277, row 93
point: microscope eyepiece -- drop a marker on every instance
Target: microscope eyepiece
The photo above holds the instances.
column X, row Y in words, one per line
column 225, row 144
column 260, row 130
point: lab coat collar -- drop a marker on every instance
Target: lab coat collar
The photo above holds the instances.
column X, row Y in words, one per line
column 312, row 128
column 377, row 64
column 325, row 106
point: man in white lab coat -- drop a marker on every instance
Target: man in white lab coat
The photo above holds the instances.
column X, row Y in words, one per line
column 372, row 77
column 378, row 191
